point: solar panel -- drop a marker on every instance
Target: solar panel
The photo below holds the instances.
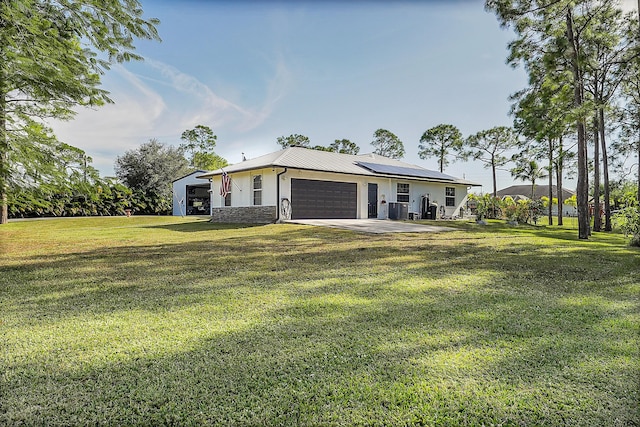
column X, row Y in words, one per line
column 405, row 171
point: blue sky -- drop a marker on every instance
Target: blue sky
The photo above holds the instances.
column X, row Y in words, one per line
column 257, row 70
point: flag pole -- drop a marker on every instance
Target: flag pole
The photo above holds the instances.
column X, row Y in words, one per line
column 232, row 181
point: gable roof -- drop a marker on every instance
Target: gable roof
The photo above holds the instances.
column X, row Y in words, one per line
column 196, row 172
column 327, row 161
column 539, row 191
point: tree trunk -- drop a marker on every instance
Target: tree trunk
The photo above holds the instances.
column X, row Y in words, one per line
column 4, row 214
column 605, row 172
column 533, row 188
column 596, row 174
column 560, row 192
column 559, row 169
column 4, row 140
column 582, row 190
column 4, row 159
column 495, row 182
column 550, row 193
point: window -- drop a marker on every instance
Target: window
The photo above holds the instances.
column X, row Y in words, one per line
column 257, row 190
column 450, row 196
column 402, row 194
column 227, row 199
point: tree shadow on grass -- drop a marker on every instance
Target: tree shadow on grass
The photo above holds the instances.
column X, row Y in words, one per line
column 469, row 358
column 164, row 276
column 315, row 326
column 200, row 226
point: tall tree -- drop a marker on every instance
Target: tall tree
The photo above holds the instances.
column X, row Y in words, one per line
column 542, row 24
column 441, row 142
column 575, row 61
column 387, row 144
column 52, row 55
column 540, row 116
column 608, row 48
column 636, row 74
column 199, row 143
column 597, row 218
column 629, row 143
column 344, row 146
column 528, row 170
column 294, row 140
column 151, row 168
column 490, row 147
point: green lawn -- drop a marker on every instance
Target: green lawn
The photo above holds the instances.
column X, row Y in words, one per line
column 169, row 321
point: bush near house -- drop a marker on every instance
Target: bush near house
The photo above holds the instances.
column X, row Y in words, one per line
column 487, row 206
column 522, row 211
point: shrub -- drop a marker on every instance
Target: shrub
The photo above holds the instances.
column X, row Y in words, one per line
column 524, row 211
column 100, row 198
column 628, row 219
column 509, row 209
column 487, row 206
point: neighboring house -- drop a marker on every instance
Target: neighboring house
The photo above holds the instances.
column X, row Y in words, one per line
column 301, row 183
column 191, row 195
column 517, row 192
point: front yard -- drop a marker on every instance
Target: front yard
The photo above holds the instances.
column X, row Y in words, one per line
column 158, row 321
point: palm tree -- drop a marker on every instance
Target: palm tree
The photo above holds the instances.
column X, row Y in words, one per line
column 528, row 170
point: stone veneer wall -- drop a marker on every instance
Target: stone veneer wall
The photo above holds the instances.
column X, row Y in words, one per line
column 246, row 214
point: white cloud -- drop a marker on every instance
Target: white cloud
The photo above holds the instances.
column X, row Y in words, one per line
column 207, row 107
column 160, row 104
column 110, row 130
column 277, row 88
column 134, row 114
column 204, row 105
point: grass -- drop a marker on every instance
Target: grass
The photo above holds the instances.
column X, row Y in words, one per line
column 169, row 321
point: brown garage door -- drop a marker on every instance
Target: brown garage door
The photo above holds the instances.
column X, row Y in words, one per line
column 323, row 199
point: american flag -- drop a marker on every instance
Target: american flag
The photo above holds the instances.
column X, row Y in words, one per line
column 225, row 185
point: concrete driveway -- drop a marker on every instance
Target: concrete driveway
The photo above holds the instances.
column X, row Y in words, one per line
column 376, row 226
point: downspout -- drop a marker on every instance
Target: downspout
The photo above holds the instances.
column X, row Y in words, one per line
column 278, row 193
column 210, row 198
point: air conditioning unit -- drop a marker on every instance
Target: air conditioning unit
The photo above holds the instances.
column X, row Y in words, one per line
column 398, row 210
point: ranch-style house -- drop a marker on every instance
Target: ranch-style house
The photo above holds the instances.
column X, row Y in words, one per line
column 302, row 183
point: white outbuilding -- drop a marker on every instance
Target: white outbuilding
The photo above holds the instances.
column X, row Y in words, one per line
column 191, row 195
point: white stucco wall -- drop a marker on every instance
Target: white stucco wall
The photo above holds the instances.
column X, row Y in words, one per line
column 242, row 188
column 242, row 192
column 437, row 194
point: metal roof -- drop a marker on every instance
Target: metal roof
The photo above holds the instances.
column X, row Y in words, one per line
column 199, row 171
column 326, row 161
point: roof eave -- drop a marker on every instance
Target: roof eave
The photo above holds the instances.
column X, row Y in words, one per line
column 190, row 173
column 369, row 174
